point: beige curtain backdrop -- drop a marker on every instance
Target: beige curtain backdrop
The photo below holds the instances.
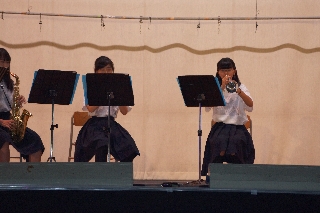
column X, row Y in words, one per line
column 278, row 62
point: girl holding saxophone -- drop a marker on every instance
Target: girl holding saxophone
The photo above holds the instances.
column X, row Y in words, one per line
column 31, row 146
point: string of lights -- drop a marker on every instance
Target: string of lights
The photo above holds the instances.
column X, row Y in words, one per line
column 162, row 18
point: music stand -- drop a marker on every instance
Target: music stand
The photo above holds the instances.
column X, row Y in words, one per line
column 198, row 91
column 108, row 89
column 53, row 87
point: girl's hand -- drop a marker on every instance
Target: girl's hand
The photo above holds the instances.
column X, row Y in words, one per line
column 22, row 100
column 225, row 81
column 8, row 124
column 124, row 109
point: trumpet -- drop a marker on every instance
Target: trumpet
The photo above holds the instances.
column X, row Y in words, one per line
column 232, row 86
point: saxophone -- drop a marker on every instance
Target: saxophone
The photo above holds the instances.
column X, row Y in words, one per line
column 18, row 132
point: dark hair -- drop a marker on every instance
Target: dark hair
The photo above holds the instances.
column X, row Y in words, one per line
column 227, row 63
column 5, row 56
column 101, row 62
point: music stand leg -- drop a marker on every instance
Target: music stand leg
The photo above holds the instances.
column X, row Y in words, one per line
column 108, row 135
column 51, row 158
column 199, row 181
column 110, row 96
column 199, row 135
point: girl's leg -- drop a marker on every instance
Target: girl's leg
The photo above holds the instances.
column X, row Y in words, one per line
column 220, row 158
column 35, row 157
column 101, row 154
column 5, row 153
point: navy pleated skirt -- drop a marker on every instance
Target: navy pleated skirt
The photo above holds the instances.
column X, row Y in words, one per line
column 93, row 135
column 31, row 143
column 233, row 139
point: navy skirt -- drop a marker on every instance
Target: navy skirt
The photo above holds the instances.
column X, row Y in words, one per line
column 233, row 139
column 31, row 143
column 93, row 135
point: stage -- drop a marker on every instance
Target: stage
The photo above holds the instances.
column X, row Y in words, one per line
column 95, row 187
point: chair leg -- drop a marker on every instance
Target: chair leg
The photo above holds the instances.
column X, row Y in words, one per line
column 71, row 139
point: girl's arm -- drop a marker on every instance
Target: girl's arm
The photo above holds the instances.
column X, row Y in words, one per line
column 247, row 100
column 91, row 108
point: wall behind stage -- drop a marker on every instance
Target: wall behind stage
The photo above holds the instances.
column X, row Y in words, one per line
column 278, row 61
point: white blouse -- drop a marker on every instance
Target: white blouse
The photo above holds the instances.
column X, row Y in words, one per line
column 234, row 111
column 102, row 111
column 4, row 94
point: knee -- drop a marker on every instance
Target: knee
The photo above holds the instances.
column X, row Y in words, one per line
column 222, row 153
column 5, row 147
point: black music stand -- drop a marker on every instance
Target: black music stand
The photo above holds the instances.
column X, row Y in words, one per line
column 53, row 87
column 108, row 89
column 198, row 91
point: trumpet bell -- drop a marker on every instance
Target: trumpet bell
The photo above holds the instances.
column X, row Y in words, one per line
column 231, row 86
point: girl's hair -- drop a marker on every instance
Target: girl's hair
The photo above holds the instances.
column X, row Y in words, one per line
column 101, row 62
column 227, row 63
column 5, row 56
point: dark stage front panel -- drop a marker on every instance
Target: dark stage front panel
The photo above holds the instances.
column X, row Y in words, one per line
column 258, row 177
column 109, row 187
column 66, row 175
column 154, row 200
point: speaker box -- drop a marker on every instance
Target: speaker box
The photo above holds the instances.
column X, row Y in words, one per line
column 258, row 177
column 69, row 175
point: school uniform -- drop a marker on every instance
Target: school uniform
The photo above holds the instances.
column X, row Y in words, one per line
column 31, row 143
column 93, row 138
column 229, row 133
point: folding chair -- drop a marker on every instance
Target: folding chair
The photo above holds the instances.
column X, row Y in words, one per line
column 248, row 124
column 17, row 156
column 77, row 119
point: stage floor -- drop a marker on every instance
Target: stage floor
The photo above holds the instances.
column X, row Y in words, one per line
column 171, row 183
column 138, row 185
